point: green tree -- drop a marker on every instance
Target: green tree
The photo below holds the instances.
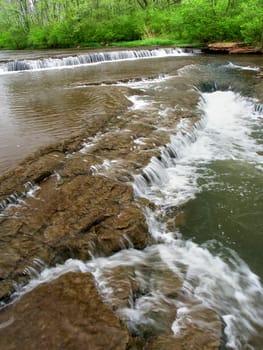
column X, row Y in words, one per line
column 64, row 23
column 251, row 21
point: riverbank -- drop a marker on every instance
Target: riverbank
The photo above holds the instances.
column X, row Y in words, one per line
column 232, row 48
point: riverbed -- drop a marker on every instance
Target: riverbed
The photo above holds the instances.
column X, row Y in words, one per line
column 188, row 133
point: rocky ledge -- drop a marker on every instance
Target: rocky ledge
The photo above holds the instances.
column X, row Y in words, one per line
column 232, row 48
column 74, row 214
column 67, row 313
column 74, row 200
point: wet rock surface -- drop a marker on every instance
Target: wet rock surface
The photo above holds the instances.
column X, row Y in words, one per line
column 72, row 219
column 67, row 313
column 175, row 320
column 75, row 211
column 199, row 329
column 74, row 199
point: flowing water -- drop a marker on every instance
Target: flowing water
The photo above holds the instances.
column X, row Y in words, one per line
column 206, row 185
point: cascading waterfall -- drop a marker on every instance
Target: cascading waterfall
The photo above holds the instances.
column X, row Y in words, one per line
column 18, row 198
column 259, row 108
column 213, row 138
column 221, row 281
column 91, row 58
column 226, row 285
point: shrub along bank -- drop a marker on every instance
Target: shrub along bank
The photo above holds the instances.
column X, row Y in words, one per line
column 64, row 23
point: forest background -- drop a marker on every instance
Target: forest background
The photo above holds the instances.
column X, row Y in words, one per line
column 74, row 23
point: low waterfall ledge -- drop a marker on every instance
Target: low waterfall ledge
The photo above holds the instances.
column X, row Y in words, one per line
column 74, row 200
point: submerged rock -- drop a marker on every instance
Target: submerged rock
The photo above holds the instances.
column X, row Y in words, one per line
column 159, row 312
column 197, row 327
column 74, row 200
column 77, row 218
column 67, row 313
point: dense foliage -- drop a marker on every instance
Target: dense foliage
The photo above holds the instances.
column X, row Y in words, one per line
column 64, row 23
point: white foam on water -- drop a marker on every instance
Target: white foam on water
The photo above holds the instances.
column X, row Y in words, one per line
column 223, row 133
column 90, row 143
column 138, row 103
column 228, row 287
column 236, row 66
column 18, row 199
column 93, row 58
column 139, row 141
column 221, row 282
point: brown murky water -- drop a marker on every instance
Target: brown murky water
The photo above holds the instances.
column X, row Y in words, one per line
column 38, row 108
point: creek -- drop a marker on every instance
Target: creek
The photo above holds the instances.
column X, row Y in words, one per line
column 205, row 183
